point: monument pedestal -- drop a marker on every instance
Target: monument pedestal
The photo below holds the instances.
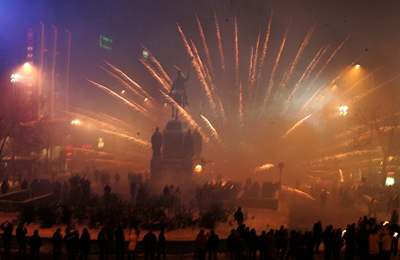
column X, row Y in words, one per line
column 173, row 152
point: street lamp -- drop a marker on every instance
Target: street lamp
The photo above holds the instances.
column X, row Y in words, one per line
column 343, row 110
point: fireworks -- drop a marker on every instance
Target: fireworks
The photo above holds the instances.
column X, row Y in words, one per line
column 247, row 95
column 297, row 124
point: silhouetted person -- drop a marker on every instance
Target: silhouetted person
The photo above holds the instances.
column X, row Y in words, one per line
column 4, row 186
column 161, row 245
column 150, row 243
column 24, row 184
column 231, row 244
column 84, row 243
column 337, row 243
column 327, row 237
column 201, row 245
column 282, row 241
column 386, row 243
column 102, row 243
column 253, row 244
column 212, row 245
column 20, row 235
column 350, row 243
column 317, row 235
column 119, row 242
column 239, row 218
column 70, row 244
column 35, row 243
column 7, row 229
column 57, row 240
column 156, row 143
column 133, row 238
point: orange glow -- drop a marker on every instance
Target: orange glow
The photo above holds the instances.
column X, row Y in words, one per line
column 198, row 169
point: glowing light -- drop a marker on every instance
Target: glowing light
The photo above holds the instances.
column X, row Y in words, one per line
column 100, row 143
column 146, row 99
column 341, row 175
column 357, row 66
column 343, row 110
column 395, row 234
column 198, row 169
column 123, row 91
column 76, row 122
column 15, row 77
column 145, row 54
column 27, row 68
column 390, row 181
column 265, row 167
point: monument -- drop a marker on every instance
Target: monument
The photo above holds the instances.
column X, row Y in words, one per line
column 177, row 147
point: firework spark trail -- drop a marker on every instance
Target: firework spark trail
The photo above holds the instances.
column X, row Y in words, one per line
column 299, row 53
column 129, row 137
column 316, row 62
column 131, row 104
column 255, row 62
column 207, row 81
column 347, row 154
column 383, row 84
column 369, row 75
column 204, row 43
column 266, row 44
column 186, row 116
column 129, row 79
column 122, row 81
column 166, row 86
column 158, row 66
column 308, row 102
column 304, row 75
column 241, row 108
column 275, row 67
column 331, row 57
column 297, row 191
column 324, row 87
column 219, row 42
column 250, row 66
column 297, row 124
column 236, row 44
column 214, row 132
column 200, row 72
column 204, row 70
column 104, row 127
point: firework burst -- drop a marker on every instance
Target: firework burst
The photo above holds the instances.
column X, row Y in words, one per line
column 282, row 86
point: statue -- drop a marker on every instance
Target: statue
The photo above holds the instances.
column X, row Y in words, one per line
column 156, row 143
column 178, row 92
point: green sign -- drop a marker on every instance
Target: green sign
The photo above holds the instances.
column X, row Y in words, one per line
column 105, row 42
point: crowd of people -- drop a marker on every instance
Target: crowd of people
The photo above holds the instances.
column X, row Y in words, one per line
column 76, row 245
column 366, row 239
